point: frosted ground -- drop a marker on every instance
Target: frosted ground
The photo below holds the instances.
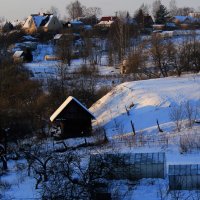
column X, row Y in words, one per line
column 146, row 102
column 43, row 69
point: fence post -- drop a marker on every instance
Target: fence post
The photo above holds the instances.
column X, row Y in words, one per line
column 133, row 128
column 127, row 111
column 160, row 130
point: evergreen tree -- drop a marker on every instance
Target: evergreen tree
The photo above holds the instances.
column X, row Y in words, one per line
column 161, row 15
column 139, row 17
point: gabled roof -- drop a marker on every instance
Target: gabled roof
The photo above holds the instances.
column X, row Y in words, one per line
column 181, row 18
column 190, row 19
column 65, row 104
column 40, row 20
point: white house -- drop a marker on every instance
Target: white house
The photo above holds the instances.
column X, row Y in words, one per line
column 42, row 22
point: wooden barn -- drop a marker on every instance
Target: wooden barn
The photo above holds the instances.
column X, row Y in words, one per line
column 74, row 119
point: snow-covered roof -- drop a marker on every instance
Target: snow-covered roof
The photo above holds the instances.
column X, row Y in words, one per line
column 49, row 20
column 87, row 27
column 57, row 36
column 170, row 24
column 77, row 22
column 18, row 54
column 29, row 37
column 158, row 25
column 106, row 23
column 39, row 20
column 65, row 103
column 181, row 18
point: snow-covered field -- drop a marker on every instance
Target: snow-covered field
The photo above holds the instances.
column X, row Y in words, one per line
column 145, row 102
column 43, row 69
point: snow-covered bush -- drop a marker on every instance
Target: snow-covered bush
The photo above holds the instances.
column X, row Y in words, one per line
column 189, row 142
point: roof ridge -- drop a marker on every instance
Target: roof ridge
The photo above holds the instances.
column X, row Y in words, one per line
column 64, row 104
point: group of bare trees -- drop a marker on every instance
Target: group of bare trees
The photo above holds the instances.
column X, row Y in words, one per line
column 76, row 9
column 63, row 176
column 185, row 111
column 161, row 57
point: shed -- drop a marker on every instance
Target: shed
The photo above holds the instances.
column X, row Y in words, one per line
column 184, row 177
column 58, row 36
column 18, row 56
column 74, row 118
column 131, row 166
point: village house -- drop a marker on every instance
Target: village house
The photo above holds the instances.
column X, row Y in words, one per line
column 6, row 26
column 75, row 25
column 91, row 20
column 186, row 22
column 18, row 56
column 23, row 56
column 107, row 21
column 74, row 119
column 42, row 22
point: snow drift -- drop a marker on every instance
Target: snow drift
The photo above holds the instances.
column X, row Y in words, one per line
column 146, row 101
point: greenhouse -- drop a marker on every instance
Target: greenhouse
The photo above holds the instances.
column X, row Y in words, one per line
column 129, row 165
column 184, row 177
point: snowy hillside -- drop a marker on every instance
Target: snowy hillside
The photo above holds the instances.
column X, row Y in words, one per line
column 146, row 101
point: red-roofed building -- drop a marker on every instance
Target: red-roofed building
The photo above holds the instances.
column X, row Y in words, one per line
column 107, row 21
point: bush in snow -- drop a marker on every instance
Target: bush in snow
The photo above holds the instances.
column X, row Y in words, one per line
column 176, row 115
column 190, row 113
column 189, row 142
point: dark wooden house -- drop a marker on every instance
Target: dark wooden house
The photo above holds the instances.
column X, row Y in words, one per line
column 74, row 118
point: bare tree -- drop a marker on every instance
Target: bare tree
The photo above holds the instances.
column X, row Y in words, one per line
column 136, row 61
column 119, row 35
column 38, row 158
column 75, row 9
column 93, row 11
column 61, row 72
column 54, row 10
column 155, row 7
column 190, row 113
column 64, row 49
column 157, row 53
column 176, row 115
column 184, row 11
column 172, row 8
column 69, row 178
